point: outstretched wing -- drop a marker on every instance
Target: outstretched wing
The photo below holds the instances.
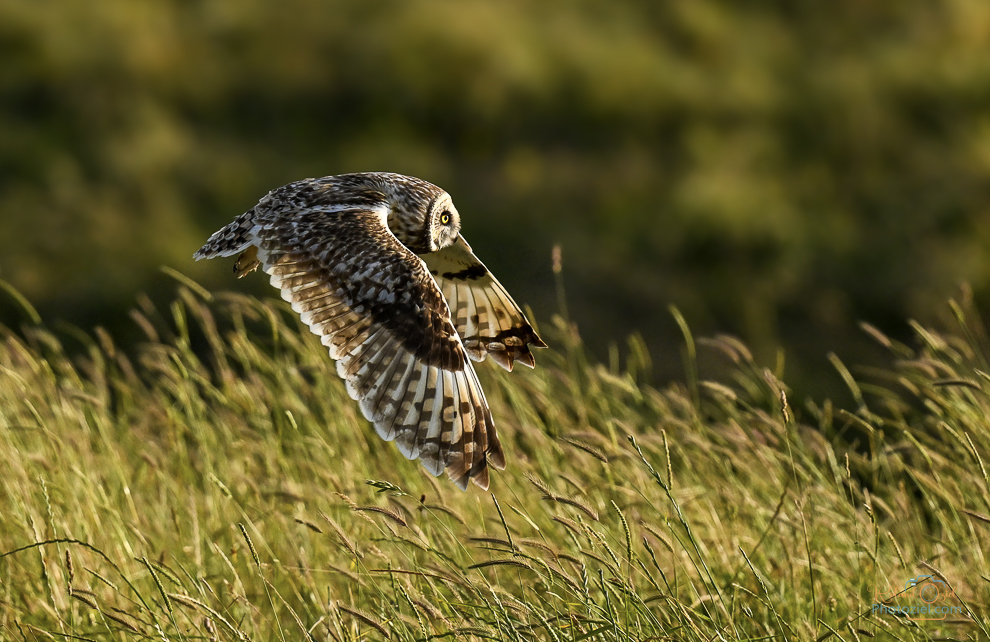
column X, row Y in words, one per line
column 377, row 309
column 487, row 319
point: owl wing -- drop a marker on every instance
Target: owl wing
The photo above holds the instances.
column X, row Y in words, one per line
column 487, row 319
column 385, row 322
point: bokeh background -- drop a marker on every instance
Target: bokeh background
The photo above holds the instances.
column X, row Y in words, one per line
column 776, row 170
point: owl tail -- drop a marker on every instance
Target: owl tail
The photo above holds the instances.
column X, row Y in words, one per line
column 235, row 237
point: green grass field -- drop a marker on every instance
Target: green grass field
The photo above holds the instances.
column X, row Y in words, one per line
column 215, row 485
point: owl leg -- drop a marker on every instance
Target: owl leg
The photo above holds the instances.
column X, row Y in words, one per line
column 247, row 262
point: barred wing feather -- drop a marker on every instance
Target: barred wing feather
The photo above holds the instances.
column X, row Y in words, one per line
column 487, row 319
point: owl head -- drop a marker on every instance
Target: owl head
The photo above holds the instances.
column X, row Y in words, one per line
column 420, row 214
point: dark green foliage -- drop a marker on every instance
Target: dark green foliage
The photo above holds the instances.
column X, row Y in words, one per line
column 775, row 169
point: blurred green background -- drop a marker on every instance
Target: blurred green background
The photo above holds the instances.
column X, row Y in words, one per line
column 777, row 170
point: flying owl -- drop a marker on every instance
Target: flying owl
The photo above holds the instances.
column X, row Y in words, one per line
column 375, row 265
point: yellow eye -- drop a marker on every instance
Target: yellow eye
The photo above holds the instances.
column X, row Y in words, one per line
column 445, row 218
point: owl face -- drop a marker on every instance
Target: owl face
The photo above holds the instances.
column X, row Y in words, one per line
column 443, row 223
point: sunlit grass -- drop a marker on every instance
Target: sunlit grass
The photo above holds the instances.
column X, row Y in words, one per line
column 214, row 486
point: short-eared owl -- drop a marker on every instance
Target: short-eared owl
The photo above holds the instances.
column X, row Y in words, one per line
column 375, row 264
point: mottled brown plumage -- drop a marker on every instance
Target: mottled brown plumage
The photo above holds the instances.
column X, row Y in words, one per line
column 375, row 265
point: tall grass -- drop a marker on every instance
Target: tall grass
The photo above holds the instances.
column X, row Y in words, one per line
column 214, row 485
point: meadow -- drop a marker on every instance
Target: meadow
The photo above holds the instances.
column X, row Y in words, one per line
column 217, row 483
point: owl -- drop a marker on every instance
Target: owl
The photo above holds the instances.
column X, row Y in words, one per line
column 375, row 264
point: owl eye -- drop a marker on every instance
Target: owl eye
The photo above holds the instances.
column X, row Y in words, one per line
column 445, row 218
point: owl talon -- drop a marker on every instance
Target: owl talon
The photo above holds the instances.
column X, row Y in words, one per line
column 247, row 262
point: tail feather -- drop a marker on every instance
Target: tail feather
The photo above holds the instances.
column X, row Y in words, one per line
column 231, row 239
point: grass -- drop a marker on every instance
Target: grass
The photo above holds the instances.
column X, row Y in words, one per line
column 212, row 485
